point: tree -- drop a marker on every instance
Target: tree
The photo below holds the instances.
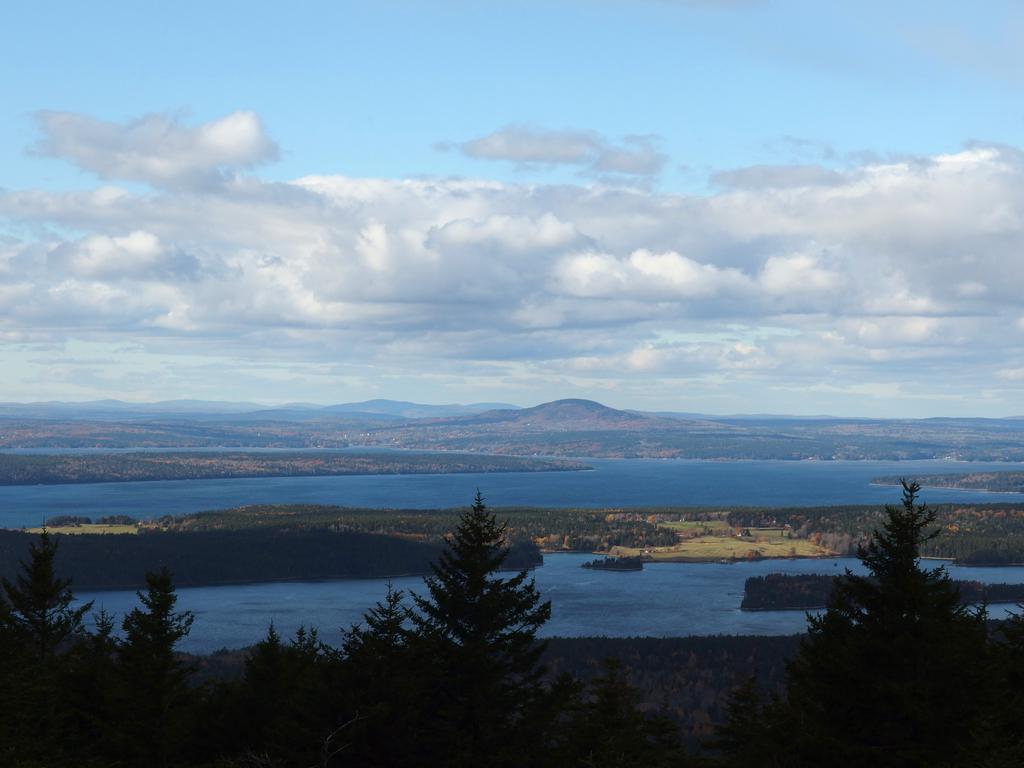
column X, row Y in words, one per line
column 37, row 609
column 606, row 729
column 891, row 673
column 742, row 738
column 480, row 630
column 383, row 663
column 154, row 685
column 89, row 683
column 37, row 622
column 998, row 740
column 287, row 709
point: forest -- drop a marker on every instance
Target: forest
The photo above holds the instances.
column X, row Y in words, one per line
column 1003, row 482
column 206, row 558
column 37, row 469
column 895, row 672
column 296, row 541
column 552, row 529
column 973, row 534
column 791, row 591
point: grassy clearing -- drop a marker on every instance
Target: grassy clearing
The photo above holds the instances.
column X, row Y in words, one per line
column 88, row 529
column 696, row 526
column 766, row 543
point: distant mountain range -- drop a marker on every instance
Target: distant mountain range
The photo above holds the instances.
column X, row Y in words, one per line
column 571, row 428
column 206, row 408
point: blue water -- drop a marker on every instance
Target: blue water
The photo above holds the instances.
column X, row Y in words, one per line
column 667, row 599
column 612, row 482
column 663, row 600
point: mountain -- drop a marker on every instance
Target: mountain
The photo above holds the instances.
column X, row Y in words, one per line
column 558, row 414
column 409, row 410
column 372, row 410
column 571, row 428
column 113, row 409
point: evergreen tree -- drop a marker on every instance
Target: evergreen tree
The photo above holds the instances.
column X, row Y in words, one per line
column 383, row 661
column 484, row 658
column 891, row 673
column 89, row 685
column 38, row 608
column 153, row 680
column 743, row 738
column 607, row 729
column 37, row 621
column 998, row 739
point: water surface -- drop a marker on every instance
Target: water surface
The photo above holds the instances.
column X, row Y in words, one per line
column 662, row 600
column 612, row 482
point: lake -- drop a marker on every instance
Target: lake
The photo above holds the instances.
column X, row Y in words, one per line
column 612, row 482
column 663, row 600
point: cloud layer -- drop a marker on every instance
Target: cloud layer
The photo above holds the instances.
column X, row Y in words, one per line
column 634, row 156
column 889, row 281
column 157, row 149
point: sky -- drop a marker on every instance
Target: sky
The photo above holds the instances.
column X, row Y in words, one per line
column 719, row 206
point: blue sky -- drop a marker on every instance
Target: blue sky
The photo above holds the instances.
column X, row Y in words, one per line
column 659, row 193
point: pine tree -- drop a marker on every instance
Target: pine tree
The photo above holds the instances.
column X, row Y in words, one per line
column 37, row 625
column 606, row 729
column 998, row 740
column 383, row 666
column 481, row 629
column 891, row 673
column 274, row 711
column 153, row 681
column 89, row 685
column 382, row 632
column 38, row 608
column 743, row 738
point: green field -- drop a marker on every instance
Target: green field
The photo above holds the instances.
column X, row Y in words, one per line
column 88, row 528
column 762, row 543
column 694, row 527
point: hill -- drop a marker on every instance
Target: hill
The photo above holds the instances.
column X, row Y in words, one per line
column 569, row 428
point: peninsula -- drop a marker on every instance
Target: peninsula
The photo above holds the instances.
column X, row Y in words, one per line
column 18, row 469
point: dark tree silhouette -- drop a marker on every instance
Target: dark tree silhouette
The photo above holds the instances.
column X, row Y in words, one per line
column 384, row 660
column 606, row 729
column 891, row 673
column 481, row 629
column 742, row 739
column 36, row 621
column 38, row 604
column 155, row 694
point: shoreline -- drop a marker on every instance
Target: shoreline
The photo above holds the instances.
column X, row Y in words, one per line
column 950, row 488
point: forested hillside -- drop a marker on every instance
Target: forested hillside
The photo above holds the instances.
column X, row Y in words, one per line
column 205, row 558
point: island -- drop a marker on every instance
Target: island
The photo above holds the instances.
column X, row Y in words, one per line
column 803, row 592
column 19, row 469
column 973, row 534
column 1000, row 482
column 615, row 564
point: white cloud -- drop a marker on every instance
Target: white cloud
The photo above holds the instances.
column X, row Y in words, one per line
column 903, row 269
column 797, row 273
column 131, row 256
column 156, row 149
column 777, row 177
column 646, row 275
column 635, row 156
column 1011, row 374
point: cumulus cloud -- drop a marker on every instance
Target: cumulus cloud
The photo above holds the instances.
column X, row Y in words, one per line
column 778, row 176
column 156, row 149
column 135, row 255
column 636, row 156
column 647, row 276
column 891, row 271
